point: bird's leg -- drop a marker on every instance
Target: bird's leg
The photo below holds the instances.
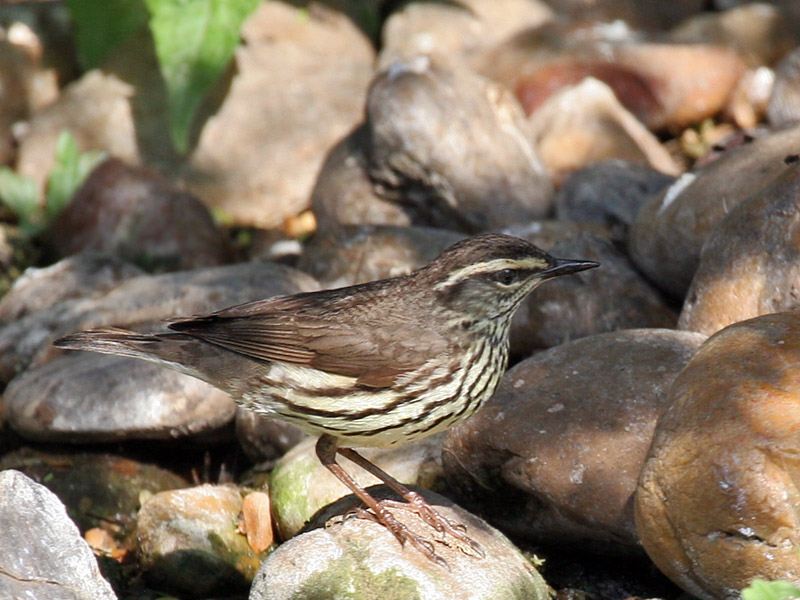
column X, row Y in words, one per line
column 326, row 449
column 415, row 501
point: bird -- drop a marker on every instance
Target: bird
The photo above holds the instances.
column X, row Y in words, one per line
column 372, row 364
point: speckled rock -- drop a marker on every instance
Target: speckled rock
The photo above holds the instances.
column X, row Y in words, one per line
column 717, row 503
column 555, row 454
column 189, row 542
column 42, row 554
column 749, row 263
column 359, row 558
column 428, row 123
column 669, row 232
column 300, row 485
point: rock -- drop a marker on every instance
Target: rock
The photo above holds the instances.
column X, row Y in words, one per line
column 99, row 490
column 88, row 274
column 143, row 301
column 611, row 297
column 609, row 193
column 784, row 102
column 87, row 397
column 759, row 32
column 456, row 30
column 748, row 266
column 633, row 13
column 428, row 123
column 300, row 84
column 189, row 542
column 353, row 254
column 669, row 232
column 300, row 485
column 361, row 558
column 263, row 438
column 554, row 455
column 585, row 124
column 717, row 501
column 42, row 555
column 135, row 214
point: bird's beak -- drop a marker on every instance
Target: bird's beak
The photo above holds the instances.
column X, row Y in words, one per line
column 565, row 266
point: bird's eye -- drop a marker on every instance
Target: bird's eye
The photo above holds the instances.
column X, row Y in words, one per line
column 504, row 277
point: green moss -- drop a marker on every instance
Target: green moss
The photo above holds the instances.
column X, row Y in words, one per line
column 349, row 578
column 289, row 492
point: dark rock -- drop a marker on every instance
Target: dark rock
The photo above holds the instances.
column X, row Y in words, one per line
column 611, row 297
column 42, row 554
column 784, row 102
column 717, row 503
column 134, row 213
column 263, row 438
column 669, row 232
column 749, row 264
column 555, row 454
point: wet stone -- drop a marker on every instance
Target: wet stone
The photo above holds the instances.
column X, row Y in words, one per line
column 749, row 265
column 42, row 554
column 669, row 231
column 554, row 455
column 717, row 503
column 353, row 556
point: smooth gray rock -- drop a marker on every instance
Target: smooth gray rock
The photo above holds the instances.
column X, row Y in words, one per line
column 42, row 554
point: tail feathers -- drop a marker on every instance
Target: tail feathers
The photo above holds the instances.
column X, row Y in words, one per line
column 110, row 341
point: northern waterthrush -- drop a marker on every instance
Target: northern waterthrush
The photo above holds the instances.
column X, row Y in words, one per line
column 367, row 365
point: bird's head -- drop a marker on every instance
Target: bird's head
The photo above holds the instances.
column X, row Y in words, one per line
column 488, row 276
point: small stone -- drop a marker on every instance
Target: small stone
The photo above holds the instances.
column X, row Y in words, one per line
column 554, row 455
column 716, row 504
column 256, row 522
column 189, row 542
column 784, row 102
column 353, row 557
column 42, row 555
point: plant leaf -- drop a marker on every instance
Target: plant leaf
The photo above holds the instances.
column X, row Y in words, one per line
column 770, row 590
column 194, row 42
column 69, row 170
column 100, row 25
column 19, row 194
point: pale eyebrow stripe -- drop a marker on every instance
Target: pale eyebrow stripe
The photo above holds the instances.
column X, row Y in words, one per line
column 492, row 265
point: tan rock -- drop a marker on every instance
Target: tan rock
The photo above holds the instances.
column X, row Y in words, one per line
column 717, row 502
column 749, row 263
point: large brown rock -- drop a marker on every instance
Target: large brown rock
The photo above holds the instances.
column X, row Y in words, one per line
column 718, row 502
column 669, row 232
column 556, row 452
column 749, row 264
column 441, row 147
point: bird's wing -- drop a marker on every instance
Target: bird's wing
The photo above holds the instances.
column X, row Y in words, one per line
column 294, row 329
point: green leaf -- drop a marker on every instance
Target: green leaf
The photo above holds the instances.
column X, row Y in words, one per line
column 19, row 194
column 100, row 25
column 194, row 41
column 770, row 590
column 68, row 172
